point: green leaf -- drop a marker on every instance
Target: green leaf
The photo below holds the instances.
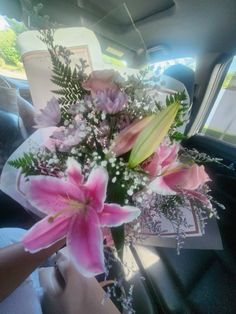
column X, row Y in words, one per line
column 68, row 80
column 117, row 194
column 153, row 134
column 118, row 235
column 26, row 163
column 177, row 136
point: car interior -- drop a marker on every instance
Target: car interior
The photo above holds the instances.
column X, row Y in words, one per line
column 140, row 33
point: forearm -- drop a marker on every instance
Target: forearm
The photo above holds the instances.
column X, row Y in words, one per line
column 16, row 265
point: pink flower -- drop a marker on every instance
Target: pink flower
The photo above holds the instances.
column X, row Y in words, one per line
column 52, row 144
column 49, row 116
column 179, row 178
column 164, row 156
column 110, row 100
column 63, row 138
column 76, row 210
column 102, row 80
column 125, row 140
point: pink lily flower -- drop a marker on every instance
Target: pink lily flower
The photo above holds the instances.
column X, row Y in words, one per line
column 179, row 178
column 164, row 156
column 76, row 210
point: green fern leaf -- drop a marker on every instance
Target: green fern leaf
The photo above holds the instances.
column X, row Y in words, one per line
column 26, row 163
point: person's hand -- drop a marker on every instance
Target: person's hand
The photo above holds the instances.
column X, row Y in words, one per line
column 16, row 265
column 67, row 291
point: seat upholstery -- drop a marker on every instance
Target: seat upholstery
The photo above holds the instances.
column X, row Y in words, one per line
column 16, row 116
column 15, row 97
column 11, row 135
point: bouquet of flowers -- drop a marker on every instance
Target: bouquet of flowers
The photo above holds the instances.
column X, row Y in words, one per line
column 112, row 163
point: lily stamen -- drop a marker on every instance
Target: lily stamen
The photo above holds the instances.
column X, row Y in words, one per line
column 52, row 218
column 73, row 205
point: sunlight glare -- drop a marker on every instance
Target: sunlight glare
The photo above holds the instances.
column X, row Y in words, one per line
column 3, row 23
column 148, row 255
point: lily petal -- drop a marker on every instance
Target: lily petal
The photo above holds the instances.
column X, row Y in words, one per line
column 96, row 186
column 159, row 186
column 114, row 215
column 43, row 234
column 85, row 243
column 74, row 173
column 178, row 178
column 50, row 194
column 151, row 165
column 188, row 178
column 197, row 176
column 167, row 154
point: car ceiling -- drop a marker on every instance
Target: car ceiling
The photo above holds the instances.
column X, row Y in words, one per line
column 154, row 28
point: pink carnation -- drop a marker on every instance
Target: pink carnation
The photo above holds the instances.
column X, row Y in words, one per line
column 110, row 100
column 49, row 116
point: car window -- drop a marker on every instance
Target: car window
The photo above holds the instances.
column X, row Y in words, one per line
column 10, row 56
column 161, row 66
column 220, row 122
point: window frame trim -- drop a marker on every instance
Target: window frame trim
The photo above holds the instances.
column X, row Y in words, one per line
column 216, row 80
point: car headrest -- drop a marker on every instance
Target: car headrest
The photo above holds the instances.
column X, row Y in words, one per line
column 183, row 74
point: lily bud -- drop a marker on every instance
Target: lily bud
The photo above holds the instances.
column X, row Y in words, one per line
column 127, row 137
column 153, row 134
